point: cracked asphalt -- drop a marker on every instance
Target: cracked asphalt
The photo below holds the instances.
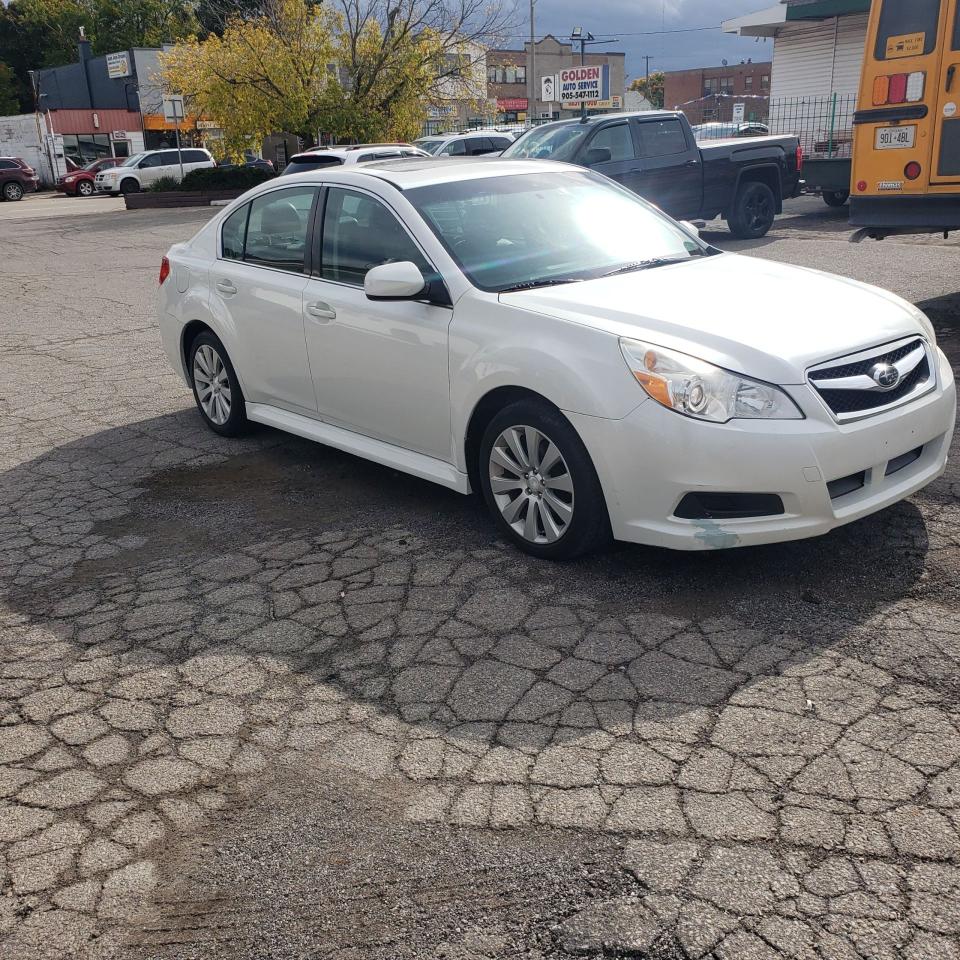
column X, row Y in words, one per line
column 262, row 699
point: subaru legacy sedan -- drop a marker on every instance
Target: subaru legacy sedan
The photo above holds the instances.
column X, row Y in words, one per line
column 539, row 334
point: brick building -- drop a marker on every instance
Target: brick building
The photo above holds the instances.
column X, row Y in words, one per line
column 708, row 93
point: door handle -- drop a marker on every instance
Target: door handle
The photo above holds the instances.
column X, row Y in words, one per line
column 227, row 287
column 321, row 311
column 693, row 163
column 951, row 71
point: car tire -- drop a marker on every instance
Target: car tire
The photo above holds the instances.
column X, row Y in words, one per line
column 835, row 198
column 215, row 387
column 562, row 514
column 84, row 188
column 130, row 185
column 12, row 191
column 754, row 210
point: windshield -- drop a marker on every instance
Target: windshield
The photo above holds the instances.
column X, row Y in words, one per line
column 543, row 227
column 94, row 164
column 548, row 143
column 431, row 146
column 133, row 161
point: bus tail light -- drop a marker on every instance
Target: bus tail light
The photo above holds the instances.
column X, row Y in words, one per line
column 912, row 170
column 899, row 88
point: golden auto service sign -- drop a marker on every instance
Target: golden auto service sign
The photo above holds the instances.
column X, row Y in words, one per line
column 584, row 83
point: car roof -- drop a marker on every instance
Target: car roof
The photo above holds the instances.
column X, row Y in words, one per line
column 410, row 173
column 463, row 133
column 623, row 115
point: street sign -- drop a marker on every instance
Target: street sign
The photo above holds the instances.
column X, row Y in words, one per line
column 118, row 64
column 548, row 89
column 579, row 84
column 739, row 111
column 173, row 109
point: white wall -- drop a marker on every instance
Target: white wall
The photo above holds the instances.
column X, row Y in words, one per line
column 819, row 58
column 19, row 137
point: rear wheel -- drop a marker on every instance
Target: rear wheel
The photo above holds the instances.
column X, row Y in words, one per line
column 754, row 209
column 215, row 387
column 12, row 191
column 539, row 483
column 130, row 185
column 835, row 198
column 85, row 188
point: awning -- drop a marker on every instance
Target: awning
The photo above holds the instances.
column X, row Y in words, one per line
column 822, row 9
column 766, row 23
column 762, row 23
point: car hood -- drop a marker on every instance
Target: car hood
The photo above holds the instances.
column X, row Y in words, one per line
column 763, row 319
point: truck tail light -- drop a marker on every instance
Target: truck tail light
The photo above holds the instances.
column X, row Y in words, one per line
column 912, row 170
column 799, row 158
column 899, row 88
column 164, row 270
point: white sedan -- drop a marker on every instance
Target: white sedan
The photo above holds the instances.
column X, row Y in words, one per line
column 537, row 333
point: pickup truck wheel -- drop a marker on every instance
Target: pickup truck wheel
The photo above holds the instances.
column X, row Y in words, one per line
column 835, row 198
column 130, row 186
column 753, row 211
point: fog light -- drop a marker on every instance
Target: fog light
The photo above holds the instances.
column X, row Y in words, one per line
column 912, row 170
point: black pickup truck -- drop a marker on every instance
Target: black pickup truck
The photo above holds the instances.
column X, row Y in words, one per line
column 656, row 155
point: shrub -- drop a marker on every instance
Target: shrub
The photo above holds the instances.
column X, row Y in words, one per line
column 229, row 178
column 164, row 183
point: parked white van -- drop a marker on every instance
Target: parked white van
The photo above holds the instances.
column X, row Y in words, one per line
column 139, row 171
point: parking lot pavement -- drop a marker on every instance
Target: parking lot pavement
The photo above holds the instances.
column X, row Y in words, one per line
column 48, row 203
column 260, row 698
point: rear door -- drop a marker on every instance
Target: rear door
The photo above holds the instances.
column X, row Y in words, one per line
column 946, row 140
column 671, row 171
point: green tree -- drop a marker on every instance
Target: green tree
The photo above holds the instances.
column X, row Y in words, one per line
column 652, row 87
column 9, row 92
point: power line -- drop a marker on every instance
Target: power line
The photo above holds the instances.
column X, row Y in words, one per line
column 643, row 33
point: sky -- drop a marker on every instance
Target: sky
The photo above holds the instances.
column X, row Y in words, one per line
column 669, row 51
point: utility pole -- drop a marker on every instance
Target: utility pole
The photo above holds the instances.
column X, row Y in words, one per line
column 532, row 99
column 583, row 47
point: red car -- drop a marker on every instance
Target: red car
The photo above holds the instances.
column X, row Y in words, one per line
column 16, row 178
column 79, row 183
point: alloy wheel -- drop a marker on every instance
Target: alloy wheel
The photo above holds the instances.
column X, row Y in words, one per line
column 531, row 484
column 212, row 384
column 759, row 212
column 85, row 188
column 13, row 191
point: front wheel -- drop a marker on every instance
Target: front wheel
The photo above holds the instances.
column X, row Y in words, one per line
column 85, row 188
column 539, row 483
column 12, row 191
column 835, row 198
column 130, row 186
column 754, row 209
column 216, row 388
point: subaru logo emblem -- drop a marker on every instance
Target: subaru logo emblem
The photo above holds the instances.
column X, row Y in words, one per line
column 885, row 375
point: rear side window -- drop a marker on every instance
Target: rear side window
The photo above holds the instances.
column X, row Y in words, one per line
column 8, row 165
column 195, row 156
column 907, row 29
column 233, row 233
column 500, row 143
column 277, row 229
column 662, row 138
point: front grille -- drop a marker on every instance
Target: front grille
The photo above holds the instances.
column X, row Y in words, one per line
column 851, row 402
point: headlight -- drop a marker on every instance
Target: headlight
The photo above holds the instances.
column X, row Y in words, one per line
column 699, row 389
column 924, row 322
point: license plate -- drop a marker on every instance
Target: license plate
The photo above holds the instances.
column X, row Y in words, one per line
column 895, row 138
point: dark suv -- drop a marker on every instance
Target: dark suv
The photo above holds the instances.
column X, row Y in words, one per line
column 16, row 178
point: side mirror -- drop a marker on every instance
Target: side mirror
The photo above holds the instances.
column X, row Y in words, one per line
column 394, row 281
column 597, row 155
column 690, row 227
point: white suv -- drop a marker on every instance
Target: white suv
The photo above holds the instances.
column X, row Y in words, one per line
column 318, row 158
column 139, row 171
column 475, row 144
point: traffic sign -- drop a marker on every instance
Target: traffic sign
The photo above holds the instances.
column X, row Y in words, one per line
column 548, row 89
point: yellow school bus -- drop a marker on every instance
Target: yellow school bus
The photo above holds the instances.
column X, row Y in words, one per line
column 906, row 149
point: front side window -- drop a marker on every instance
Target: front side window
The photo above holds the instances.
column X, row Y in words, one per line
column 662, row 138
column 359, row 232
column 542, row 228
column 151, row 160
column 277, row 229
column 233, row 234
column 615, row 138
column 907, row 29
column 455, row 148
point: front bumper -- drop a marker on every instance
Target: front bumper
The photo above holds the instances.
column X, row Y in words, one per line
column 650, row 460
column 106, row 187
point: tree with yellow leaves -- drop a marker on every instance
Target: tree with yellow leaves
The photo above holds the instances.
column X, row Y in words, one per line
column 361, row 70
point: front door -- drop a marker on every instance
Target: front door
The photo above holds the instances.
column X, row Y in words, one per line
column 149, row 168
column 946, row 140
column 612, row 152
column 671, row 168
column 257, row 287
column 380, row 368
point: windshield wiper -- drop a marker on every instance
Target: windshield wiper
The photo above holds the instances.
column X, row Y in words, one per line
column 545, row 282
column 647, row 264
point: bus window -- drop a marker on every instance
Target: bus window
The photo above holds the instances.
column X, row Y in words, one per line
column 907, row 29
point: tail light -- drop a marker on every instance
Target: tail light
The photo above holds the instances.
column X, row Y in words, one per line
column 799, row 158
column 912, row 170
column 164, row 269
column 899, row 88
